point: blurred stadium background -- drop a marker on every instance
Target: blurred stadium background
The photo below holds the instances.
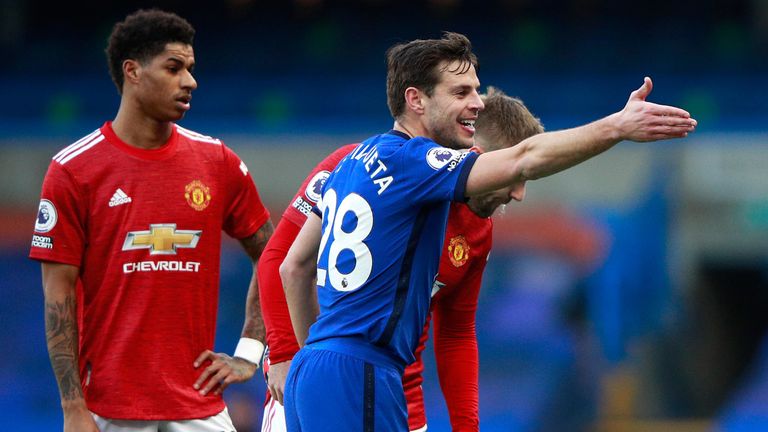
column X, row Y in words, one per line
column 627, row 294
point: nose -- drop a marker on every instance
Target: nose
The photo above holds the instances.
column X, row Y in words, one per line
column 188, row 81
column 476, row 103
column 518, row 192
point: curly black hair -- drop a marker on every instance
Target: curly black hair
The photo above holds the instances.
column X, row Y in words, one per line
column 143, row 35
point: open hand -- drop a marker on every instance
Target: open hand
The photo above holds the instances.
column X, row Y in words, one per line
column 644, row 121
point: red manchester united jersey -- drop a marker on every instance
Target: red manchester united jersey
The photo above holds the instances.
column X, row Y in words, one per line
column 280, row 336
column 144, row 227
column 310, row 189
column 468, row 240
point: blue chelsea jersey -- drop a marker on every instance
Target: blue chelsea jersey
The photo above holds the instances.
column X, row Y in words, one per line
column 384, row 211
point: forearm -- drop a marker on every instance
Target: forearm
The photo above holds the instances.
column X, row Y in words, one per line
column 301, row 299
column 548, row 153
column 61, row 331
column 551, row 152
column 254, row 245
column 298, row 274
column 280, row 336
column 253, row 327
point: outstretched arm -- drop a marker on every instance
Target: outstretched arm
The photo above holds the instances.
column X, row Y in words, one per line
column 551, row 152
column 299, row 272
column 225, row 370
column 61, row 333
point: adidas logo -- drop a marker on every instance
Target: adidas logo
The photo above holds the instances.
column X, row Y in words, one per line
column 119, row 198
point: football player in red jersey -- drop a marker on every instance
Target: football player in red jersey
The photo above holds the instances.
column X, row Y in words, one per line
column 504, row 122
column 129, row 237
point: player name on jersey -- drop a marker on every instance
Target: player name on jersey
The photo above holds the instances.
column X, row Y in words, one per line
column 370, row 155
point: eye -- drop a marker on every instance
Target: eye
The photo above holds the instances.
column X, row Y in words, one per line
column 461, row 92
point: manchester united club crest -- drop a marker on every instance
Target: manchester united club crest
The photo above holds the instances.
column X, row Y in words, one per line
column 198, row 195
column 458, row 250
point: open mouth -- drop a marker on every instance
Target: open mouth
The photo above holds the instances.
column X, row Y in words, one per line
column 184, row 101
column 468, row 125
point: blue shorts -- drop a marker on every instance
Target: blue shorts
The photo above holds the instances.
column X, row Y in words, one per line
column 344, row 384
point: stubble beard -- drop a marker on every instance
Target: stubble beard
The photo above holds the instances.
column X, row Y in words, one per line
column 448, row 139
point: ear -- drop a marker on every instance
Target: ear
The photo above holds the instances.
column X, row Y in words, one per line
column 414, row 100
column 131, row 71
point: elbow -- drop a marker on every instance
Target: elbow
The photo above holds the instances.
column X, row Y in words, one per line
column 527, row 164
column 522, row 171
column 532, row 167
column 287, row 272
column 292, row 272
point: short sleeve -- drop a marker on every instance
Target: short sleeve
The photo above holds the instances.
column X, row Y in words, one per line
column 438, row 173
column 59, row 234
column 245, row 212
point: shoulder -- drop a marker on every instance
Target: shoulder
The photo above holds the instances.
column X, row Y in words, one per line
column 197, row 137
column 332, row 160
column 435, row 155
column 343, row 151
column 207, row 146
column 80, row 149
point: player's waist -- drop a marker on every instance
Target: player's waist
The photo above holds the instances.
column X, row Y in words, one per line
column 362, row 349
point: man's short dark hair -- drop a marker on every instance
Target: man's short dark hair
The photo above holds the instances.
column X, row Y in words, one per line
column 143, row 35
column 415, row 64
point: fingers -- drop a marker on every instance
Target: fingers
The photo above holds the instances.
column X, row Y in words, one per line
column 644, row 90
column 205, row 355
column 661, row 133
column 666, row 110
column 687, row 124
column 272, row 392
column 207, row 372
column 214, row 373
column 277, row 392
column 647, row 85
column 222, row 372
column 217, row 374
column 279, row 397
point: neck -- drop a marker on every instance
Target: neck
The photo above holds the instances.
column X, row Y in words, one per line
column 411, row 128
column 139, row 130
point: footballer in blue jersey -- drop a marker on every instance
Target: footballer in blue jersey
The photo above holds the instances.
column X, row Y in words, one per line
column 362, row 271
column 384, row 211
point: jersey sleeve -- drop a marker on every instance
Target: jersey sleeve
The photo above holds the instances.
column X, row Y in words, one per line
column 280, row 336
column 309, row 193
column 456, row 352
column 244, row 213
column 59, row 234
column 438, row 173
